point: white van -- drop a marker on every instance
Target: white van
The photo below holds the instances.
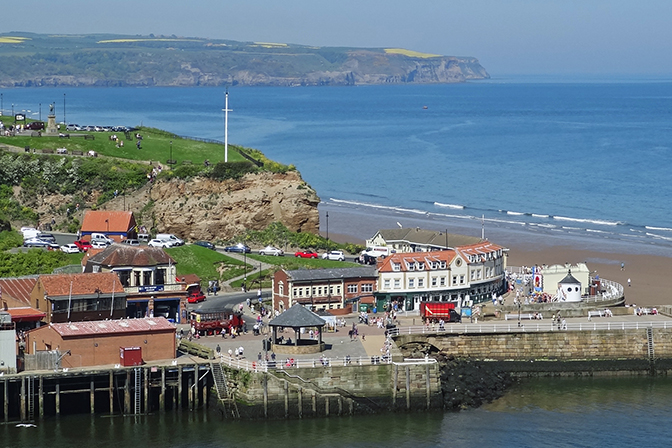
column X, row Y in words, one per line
column 170, row 237
column 101, row 238
column 30, row 233
column 377, row 251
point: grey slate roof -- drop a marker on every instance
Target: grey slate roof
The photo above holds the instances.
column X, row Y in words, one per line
column 297, row 316
column 332, row 274
column 569, row 278
column 124, row 255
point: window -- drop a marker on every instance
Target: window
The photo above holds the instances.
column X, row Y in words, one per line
column 147, row 278
column 410, row 266
column 160, row 277
column 352, row 289
column 136, row 275
column 386, row 283
column 295, row 292
column 473, row 275
column 338, row 290
column 411, row 283
column 396, row 267
column 443, row 281
column 421, row 266
column 281, row 289
column 421, row 283
column 397, row 283
column 124, row 278
column 367, row 287
column 434, row 281
column 442, row 265
column 462, row 279
column 454, row 279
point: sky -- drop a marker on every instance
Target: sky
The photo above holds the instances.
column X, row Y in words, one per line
column 529, row 37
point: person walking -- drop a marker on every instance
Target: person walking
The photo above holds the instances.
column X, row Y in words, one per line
column 629, row 283
column 219, row 351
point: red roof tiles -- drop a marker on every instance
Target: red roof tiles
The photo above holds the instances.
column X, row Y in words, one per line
column 18, row 288
column 107, row 221
column 60, row 284
column 102, row 327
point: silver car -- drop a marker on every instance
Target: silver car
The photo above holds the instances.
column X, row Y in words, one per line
column 270, row 250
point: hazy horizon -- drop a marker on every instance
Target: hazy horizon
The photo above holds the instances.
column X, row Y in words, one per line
column 515, row 37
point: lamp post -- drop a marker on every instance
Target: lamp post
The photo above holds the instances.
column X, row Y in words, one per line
column 327, row 230
column 519, row 306
column 65, row 121
column 245, row 263
column 40, row 111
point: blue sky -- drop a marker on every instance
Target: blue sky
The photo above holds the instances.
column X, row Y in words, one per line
column 577, row 37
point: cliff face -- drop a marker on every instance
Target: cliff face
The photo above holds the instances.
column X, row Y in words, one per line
column 204, row 209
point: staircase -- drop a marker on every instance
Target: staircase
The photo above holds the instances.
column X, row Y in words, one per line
column 225, row 395
column 30, row 397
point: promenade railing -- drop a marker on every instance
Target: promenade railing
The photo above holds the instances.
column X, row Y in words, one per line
column 529, row 327
column 289, row 363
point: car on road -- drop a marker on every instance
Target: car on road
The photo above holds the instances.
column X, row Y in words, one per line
column 196, row 296
column 240, row 247
column 83, row 245
column 206, row 244
column 35, row 126
column 306, row 254
column 131, row 242
column 70, row 249
column 160, row 243
column 100, row 244
column 270, row 250
column 47, row 237
column 366, row 259
column 334, row 255
column 73, row 127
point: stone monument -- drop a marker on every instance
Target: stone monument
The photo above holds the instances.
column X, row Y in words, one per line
column 52, row 129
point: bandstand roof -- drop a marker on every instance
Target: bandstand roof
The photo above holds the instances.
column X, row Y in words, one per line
column 297, row 316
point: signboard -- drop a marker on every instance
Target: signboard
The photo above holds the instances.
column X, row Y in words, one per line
column 19, row 117
column 150, row 288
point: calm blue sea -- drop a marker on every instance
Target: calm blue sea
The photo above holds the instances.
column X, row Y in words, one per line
column 532, row 157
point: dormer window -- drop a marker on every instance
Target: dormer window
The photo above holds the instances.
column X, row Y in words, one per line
column 410, row 266
column 442, row 265
column 396, row 266
column 421, row 266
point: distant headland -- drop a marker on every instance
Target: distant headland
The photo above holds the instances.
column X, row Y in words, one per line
column 104, row 60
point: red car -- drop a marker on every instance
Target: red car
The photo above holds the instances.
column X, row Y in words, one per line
column 306, row 254
column 83, row 245
column 195, row 296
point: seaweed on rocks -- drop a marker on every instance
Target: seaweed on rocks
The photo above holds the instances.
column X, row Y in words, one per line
column 469, row 384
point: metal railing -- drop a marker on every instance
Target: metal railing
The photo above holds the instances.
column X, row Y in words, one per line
column 299, row 363
column 527, row 327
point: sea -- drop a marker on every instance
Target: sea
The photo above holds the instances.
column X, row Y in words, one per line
column 521, row 160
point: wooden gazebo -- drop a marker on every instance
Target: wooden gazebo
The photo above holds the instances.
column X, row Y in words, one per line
column 297, row 317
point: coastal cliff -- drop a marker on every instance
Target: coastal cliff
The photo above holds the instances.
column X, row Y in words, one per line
column 38, row 60
column 206, row 209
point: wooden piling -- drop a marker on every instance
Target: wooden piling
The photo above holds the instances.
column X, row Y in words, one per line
column 300, row 392
column 428, row 387
column 146, row 394
column 40, row 405
column 314, row 397
column 58, row 397
column 286, row 399
column 5, row 401
column 92, row 395
column 408, row 387
column 265, row 395
column 127, row 393
column 111, row 392
column 162, row 396
column 22, row 403
column 395, row 385
column 190, row 394
column 178, row 399
column 326, row 406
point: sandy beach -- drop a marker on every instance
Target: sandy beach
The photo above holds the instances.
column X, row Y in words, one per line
column 648, row 273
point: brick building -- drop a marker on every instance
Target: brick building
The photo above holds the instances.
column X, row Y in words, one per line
column 338, row 290
column 97, row 343
column 115, row 224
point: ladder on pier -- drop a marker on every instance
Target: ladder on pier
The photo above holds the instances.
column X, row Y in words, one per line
column 137, row 396
column 224, row 393
column 650, row 349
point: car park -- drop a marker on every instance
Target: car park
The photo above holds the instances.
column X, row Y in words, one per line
column 306, row 254
column 70, row 249
column 206, row 244
column 83, row 245
column 270, row 250
column 334, row 255
column 240, row 247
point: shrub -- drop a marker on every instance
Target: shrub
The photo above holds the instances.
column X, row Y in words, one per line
column 232, row 170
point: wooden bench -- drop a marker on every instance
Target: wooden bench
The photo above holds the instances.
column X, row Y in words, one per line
column 529, row 316
column 596, row 313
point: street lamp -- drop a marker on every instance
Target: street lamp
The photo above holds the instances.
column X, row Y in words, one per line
column 245, row 263
column 65, row 121
column 519, row 306
column 327, row 230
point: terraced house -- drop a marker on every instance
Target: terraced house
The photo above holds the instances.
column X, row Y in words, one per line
column 464, row 275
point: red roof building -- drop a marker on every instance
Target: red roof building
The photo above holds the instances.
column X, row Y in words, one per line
column 97, row 343
column 115, row 224
column 15, row 299
column 79, row 297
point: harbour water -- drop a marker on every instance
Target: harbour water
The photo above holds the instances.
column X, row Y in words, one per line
column 579, row 161
column 581, row 412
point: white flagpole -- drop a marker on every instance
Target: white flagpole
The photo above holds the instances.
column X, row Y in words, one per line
column 226, row 125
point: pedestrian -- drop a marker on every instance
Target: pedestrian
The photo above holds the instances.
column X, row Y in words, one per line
column 240, row 349
column 237, row 352
column 230, row 353
column 629, row 284
column 363, row 337
column 259, row 357
column 259, row 295
column 219, row 351
column 622, row 266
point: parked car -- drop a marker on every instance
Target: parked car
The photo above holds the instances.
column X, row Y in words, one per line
column 270, row 250
column 73, row 127
column 240, row 247
column 334, row 255
column 131, row 242
column 196, row 296
column 35, row 126
column 47, row 237
column 366, row 259
column 70, row 249
column 36, row 242
column 306, row 254
column 206, row 244
column 99, row 244
column 160, row 243
column 83, row 245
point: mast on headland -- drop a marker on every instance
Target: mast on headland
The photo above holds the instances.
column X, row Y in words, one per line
column 482, row 227
column 226, row 125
